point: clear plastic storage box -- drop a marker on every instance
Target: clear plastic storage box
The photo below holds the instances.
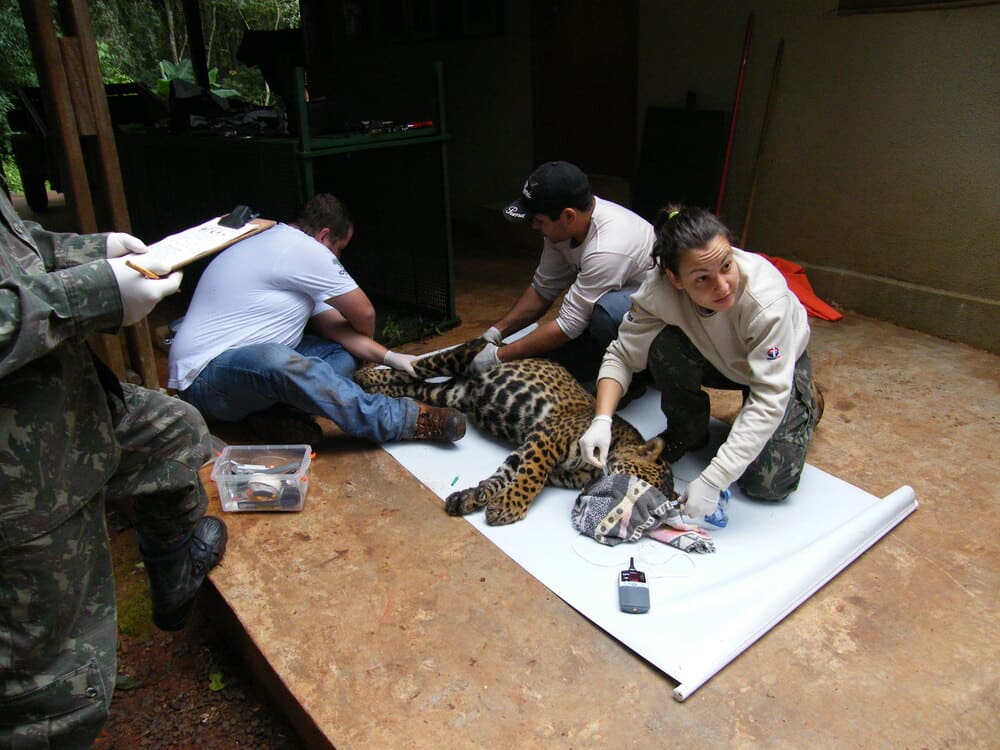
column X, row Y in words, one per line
column 262, row 477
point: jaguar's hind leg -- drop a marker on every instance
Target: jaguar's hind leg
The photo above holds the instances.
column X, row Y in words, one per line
column 447, row 393
column 471, row 499
column 499, row 484
column 386, row 381
column 509, row 492
column 535, row 460
column 450, row 362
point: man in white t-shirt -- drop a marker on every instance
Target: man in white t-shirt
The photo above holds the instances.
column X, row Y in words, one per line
column 596, row 251
column 242, row 349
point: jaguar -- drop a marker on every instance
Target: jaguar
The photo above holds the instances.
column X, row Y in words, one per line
column 534, row 404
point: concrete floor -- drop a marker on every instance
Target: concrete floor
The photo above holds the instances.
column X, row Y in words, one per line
column 381, row 622
column 394, row 625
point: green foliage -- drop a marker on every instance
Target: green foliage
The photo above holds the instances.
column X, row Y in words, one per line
column 391, row 334
column 133, row 36
column 184, row 71
column 126, row 682
column 111, row 70
column 146, row 41
column 135, row 608
column 16, row 69
column 13, row 174
column 399, row 325
column 145, row 34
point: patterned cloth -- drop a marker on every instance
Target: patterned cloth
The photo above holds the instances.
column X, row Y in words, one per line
column 624, row 508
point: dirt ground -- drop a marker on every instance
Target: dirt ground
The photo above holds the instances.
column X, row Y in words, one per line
column 175, row 691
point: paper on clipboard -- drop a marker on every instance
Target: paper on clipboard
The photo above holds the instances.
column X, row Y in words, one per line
column 189, row 245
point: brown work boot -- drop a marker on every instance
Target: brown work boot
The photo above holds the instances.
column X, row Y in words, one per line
column 441, row 424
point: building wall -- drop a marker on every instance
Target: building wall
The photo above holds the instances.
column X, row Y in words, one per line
column 881, row 164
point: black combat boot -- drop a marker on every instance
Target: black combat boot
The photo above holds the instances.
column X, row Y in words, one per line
column 174, row 577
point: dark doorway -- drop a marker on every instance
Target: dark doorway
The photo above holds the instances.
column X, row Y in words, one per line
column 584, row 64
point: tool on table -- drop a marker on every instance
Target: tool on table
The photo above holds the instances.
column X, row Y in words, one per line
column 261, row 478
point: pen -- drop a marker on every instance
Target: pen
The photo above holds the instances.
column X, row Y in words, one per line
column 144, row 271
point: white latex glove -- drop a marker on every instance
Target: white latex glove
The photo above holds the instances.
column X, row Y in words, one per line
column 120, row 244
column 596, row 441
column 402, row 362
column 487, row 359
column 139, row 294
column 493, row 335
column 700, row 499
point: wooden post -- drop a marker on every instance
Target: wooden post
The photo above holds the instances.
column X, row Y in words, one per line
column 732, row 119
column 78, row 114
column 772, row 91
column 59, row 112
column 196, row 37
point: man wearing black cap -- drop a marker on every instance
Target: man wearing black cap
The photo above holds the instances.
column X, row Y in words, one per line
column 594, row 249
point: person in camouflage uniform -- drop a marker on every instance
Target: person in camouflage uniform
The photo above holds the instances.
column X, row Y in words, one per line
column 71, row 438
column 717, row 316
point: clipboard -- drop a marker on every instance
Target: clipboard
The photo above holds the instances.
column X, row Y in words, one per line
column 189, row 245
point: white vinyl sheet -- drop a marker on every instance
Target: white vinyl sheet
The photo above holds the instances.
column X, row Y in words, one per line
column 705, row 609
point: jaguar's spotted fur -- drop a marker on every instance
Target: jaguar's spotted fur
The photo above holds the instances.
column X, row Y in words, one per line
column 534, row 404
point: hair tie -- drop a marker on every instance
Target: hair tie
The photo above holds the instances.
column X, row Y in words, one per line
column 672, row 214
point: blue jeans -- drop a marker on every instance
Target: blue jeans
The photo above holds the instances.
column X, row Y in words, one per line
column 582, row 356
column 315, row 377
column 608, row 313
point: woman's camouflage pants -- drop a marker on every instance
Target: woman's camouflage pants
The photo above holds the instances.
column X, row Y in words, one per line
column 679, row 371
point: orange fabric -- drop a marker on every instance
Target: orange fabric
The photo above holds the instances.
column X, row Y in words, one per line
column 795, row 275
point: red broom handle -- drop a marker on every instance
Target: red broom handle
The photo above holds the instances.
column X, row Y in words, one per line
column 732, row 121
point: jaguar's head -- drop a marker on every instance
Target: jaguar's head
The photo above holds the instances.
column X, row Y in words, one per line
column 644, row 461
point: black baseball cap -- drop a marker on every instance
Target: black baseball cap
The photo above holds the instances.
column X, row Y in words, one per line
column 549, row 189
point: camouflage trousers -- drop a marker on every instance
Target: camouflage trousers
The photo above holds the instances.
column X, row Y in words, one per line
column 679, row 371
column 58, row 624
